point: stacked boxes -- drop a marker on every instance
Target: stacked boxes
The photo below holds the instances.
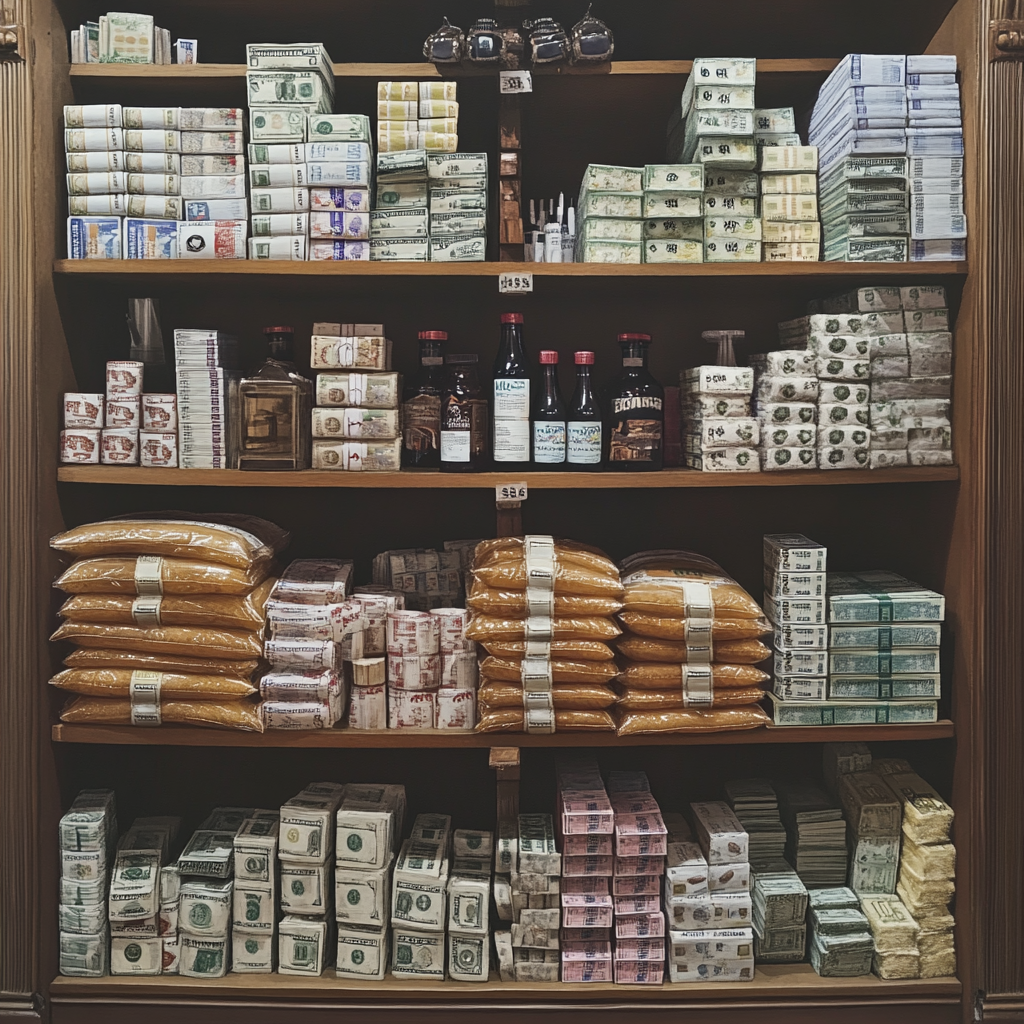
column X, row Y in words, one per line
column 779, row 908
column 469, row 902
column 368, row 700
column 400, row 221
column 785, row 401
column 611, row 205
column 426, row 577
column 873, row 816
column 254, row 924
column 122, row 414
column 417, row 115
column 641, row 845
column 206, row 382
column 841, row 944
column 419, row 900
column 414, row 669
column 789, row 202
column 368, row 824
column 586, row 826
column 732, row 196
column 305, row 845
column 719, row 433
column 534, row 888
column 88, row 836
column 673, row 208
column 458, row 207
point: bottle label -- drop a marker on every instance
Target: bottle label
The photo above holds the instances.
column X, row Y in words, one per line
column 455, row 446
column 511, row 399
column 432, row 361
column 421, row 426
column 511, row 440
column 635, row 440
column 584, row 439
column 548, row 441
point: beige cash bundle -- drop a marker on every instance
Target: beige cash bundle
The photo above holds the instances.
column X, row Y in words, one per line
column 689, row 659
column 167, row 617
column 542, row 610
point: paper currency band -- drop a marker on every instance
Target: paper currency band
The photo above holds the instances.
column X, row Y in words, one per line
column 149, row 575
column 698, row 686
column 540, row 562
column 146, row 611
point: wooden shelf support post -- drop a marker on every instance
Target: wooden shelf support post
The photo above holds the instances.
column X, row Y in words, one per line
column 505, row 762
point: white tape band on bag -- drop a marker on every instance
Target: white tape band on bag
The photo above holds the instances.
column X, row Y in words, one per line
column 539, row 627
column 538, row 648
column 540, row 602
column 535, row 674
column 697, row 602
column 539, row 552
column 699, row 653
column 149, row 575
column 144, row 693
column 146, row 611
column 697, row 631
column 538, row 712
column 698, row 686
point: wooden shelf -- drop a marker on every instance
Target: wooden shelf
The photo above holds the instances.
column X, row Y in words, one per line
column 176, row 72
column 539, row 481
column 374, row 739
column 193, row 269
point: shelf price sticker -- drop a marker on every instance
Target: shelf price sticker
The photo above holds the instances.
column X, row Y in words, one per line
column 515, row 283
column 516, row 493
column 514, row 83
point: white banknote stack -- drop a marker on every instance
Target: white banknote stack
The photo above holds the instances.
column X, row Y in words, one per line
column 927, row 865
column 419, row 900
column 611, row 205
column 786, row 393
column 120, row 38
column 400, row 221
column 314, row 632
column 96, row 181
column 714, row 125
column 417, row 115
column 895, row 934
column 458, row 186
column 673, row 208
column 305, row 860
column 720, row 434
column 205, row 365
column 873, row 819
column 88, row 836
column 841, row 945
column 170, row 887
column 585, row 820
column 789, row 197
column 339, row 170
column 368, row 698
column 530, row 950
column 367, row 827
column 413, row 669
column 641, row 846
column 356, row 406
column 254, row 924
column 122, row 414
column 794, row 601
column 469, row 903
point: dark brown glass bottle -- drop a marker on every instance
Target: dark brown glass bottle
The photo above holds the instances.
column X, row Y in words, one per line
column 421, row 406
column 464, row 418
column 636, row 410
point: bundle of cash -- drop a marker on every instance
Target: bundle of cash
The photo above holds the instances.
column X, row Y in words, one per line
column 874, row 834
column 428, row 578
column 789, row 186
column 719, row 432
column 841, row 944
column 458, row 190
column 611, row 203
column 469, row 899
column 96, row 180
column 88, row 835
column 121, row 38
column 895, row 934
column 254, row 922
column 785, row 395
column 417, row 115
column 779, row 901
column 673, row 207
column 816, row 830
column 756, row 805
column 205, row 365
column 841, row 759
column 400, row 222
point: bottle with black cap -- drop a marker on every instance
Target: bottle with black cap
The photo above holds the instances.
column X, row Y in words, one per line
column 463, row 417
column 421, row 406
column 637, row 410
column 549, row 417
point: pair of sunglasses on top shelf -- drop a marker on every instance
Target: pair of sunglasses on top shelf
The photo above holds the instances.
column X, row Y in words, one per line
column 542, row 41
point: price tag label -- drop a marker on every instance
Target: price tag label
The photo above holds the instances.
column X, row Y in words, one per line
column 515, row 82
column 515, row 283
column 510, row 492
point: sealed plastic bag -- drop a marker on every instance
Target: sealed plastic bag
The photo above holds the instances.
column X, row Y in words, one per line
column 152, row 574
column 667, row 700
column 490, row 628
column 640, row 723
column 511, row 720
column 575, row 650
column 737, row 652
column 115, row 682
column 513, row 602
column 236, row 714
column 562, row 670
column 220, row 611
column 219, row 643
column 502, row 565
column 665, row 628
column 197, row 663
column 590, row 696
column 653, row 675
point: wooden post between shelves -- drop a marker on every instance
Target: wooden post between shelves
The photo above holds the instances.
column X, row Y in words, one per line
column 505, row 762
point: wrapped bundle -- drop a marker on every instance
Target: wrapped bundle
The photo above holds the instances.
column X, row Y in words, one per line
column 542, row 609
column 167, row 613
column 692, row 647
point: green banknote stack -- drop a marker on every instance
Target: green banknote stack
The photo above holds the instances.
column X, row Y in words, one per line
column 841, row 945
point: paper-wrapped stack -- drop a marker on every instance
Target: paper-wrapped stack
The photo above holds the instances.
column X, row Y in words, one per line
column 817, row 834
column 542, row 609
column 780, row 910
column 254, row 923
column 756, row 806
column 842, row 758
column 719, row 432
column 611, row 203
column 673, row 227
column 534, row 886
column 895, row 934
column 841, row 943
column 873, row 817
column 168, row 615
column 693, row 645
column 785, row 398
column 789, row 195
column 88, row 836
column 469, row 902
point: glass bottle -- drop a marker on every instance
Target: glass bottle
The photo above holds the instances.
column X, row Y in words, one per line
column 637, row 415
column 275, row 410
column 511, row 427
column 549, row 417
column 585, row 434
column 463, row 418
column 421, row 406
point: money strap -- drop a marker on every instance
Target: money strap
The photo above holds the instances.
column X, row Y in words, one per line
column 538, row 712
column 354, row 455
column 146, row 611
column 698, row 686
column 696, row 598
column 885, row 638
column 540, row 562
column 356, row 388
column 149, row 575
column 539, row 627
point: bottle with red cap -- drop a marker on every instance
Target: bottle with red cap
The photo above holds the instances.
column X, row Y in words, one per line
column 549, row 417
column 511, row 411
column 421, row 406
column 637, row 410
column 584, row 433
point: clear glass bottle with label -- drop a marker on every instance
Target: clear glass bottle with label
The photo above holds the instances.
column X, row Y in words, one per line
column 584, row 433
column 421, row 406
column 463, row 417
column 511, row 413
column 636, row 410
column 275, row 403
column 549, row 417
